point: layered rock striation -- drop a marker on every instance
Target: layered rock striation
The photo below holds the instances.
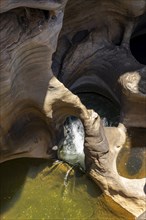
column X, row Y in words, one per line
column 42, row 74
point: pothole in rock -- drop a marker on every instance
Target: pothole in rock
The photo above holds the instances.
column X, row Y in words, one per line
column 131, row 160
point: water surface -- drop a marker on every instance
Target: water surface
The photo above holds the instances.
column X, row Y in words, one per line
column 38, row 189
column 131, row 161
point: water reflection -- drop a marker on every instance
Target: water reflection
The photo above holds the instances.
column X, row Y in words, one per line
column 131, row 161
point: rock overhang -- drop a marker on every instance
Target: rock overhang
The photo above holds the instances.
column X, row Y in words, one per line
column 36, row 110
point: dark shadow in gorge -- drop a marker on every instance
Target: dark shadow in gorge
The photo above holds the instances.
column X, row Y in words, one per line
column 144, row 189
column 138, row 41
column 138, row 48
column 108, row 110
column 13, row 175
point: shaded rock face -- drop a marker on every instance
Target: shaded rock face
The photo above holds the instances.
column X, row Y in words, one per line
column 28, row 39
column 43, row 74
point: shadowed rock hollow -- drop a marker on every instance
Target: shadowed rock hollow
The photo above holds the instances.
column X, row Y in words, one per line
column 53, row 54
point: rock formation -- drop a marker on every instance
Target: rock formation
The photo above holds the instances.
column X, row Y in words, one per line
column 42, row 75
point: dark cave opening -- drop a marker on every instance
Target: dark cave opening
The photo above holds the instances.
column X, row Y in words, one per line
column 138, row 40
column 138, row 48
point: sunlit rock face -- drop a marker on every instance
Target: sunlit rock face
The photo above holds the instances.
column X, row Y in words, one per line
column 97, row 55
column 94, row 54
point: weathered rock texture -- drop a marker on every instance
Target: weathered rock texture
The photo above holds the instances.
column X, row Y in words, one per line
column 93, row 55
column 28, row 40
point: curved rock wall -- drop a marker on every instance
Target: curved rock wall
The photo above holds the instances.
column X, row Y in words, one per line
column 92, row 55
column 28, row 40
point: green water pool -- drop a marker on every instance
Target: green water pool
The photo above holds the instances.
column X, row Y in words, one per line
column 38, row 189
column 131, row 161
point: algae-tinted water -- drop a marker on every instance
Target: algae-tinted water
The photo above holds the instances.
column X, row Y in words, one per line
column 36, row 189
column 131, row 161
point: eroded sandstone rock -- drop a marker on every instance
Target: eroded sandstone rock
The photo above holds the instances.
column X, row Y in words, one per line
column 134, row 98
column 93, row 55
column 28, row 39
